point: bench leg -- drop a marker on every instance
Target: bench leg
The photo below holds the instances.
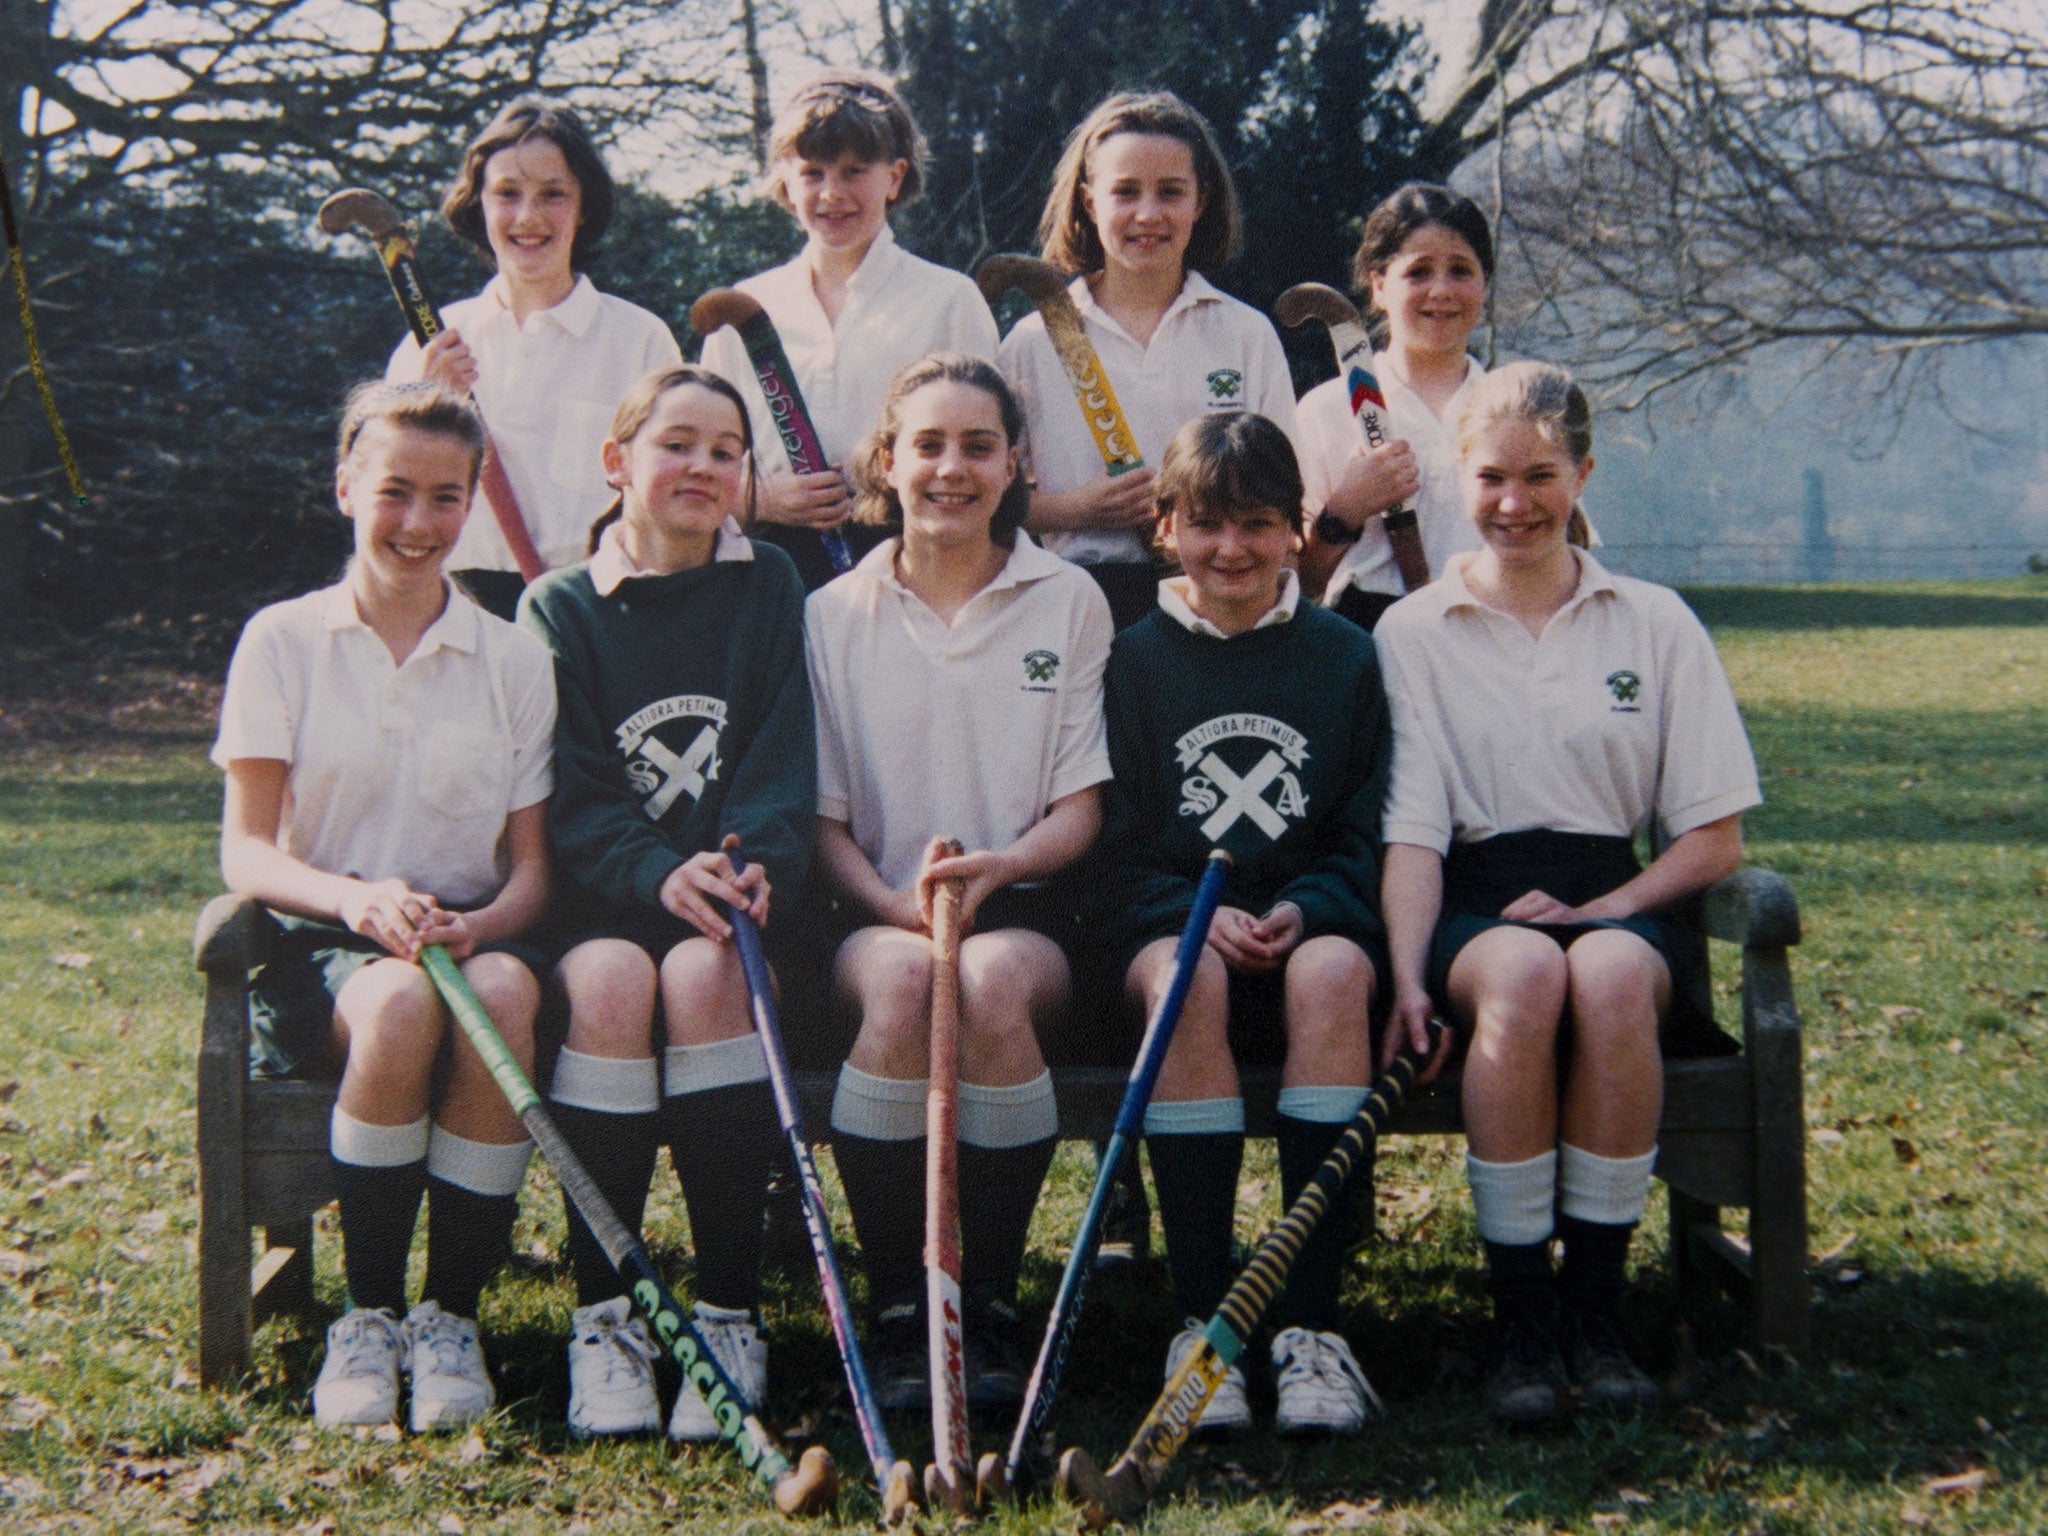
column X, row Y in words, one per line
column 1779, row 1296
column 224, row 1313
column 1696, row 1280
column 282, row 1284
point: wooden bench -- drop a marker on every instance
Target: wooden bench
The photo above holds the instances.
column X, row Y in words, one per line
column 1733, row 1135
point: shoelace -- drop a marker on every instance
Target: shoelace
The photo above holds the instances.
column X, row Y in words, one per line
column 365, row 1330
column 1311, row 1356
column 444, row 1341
column 626, row 1343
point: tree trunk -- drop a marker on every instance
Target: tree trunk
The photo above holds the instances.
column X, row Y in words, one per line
column 757, row 79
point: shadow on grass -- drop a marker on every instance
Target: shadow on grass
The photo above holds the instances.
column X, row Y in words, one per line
column 1900, row 775
column 1856, row 607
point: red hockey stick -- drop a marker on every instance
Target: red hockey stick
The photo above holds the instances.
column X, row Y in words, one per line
column 369, row 215
column 949, row 1481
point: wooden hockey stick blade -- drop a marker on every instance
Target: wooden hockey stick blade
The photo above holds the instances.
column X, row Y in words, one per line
column 1315, row 301
column 813, row 1488
column 953, row 1494
column 360, row 209
column 1117, row 1496
column 899, row 1497
column 1046, row 287
column 723, row 306
column 991, row 1480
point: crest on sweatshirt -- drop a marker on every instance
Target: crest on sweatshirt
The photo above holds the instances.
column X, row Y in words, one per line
column 671, row 749
column 1257, row 784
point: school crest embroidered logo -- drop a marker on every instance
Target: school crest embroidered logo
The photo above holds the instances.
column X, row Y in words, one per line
column 1226, row 384
column 1222, row 795
column 659, row 772
column 1624, row 685
column 1040, row 668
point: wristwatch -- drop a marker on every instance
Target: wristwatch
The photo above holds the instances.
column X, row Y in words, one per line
column 1332, row 529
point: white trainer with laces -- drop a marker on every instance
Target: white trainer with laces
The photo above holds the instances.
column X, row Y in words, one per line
column 743, row 1352
column 451, row 1386
column 359, row 1379
column 1227, row 1412
column 1322, row 1390
column 611, row 1372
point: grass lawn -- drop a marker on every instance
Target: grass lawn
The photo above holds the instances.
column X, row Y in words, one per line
column 1903, row 733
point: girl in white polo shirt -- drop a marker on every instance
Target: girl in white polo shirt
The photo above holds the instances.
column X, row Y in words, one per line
column 387, row 748
column 958, row 677
column 546, row 355
column 685, row 718
column 853, row 309
column 1141, row 209
column 1422, row 266
column 1545, row 712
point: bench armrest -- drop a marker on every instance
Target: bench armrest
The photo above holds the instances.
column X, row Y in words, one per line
column 1754, row 908
column 233, row 935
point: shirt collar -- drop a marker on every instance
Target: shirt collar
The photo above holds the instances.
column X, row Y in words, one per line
column 1173, row 598
column 454, row 630
column 874, row 266
column 612, row 565
column 1194, row 289
column 1453, row 593
column 576, row 314
column 1027, row 562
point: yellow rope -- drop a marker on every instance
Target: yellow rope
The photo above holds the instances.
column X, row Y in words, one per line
column 35, row 352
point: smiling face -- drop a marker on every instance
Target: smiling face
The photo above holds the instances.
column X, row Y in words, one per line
column 1233, row 561
column 683, row 473
column 842, row 204
column 407, row 492
column 1144, row 198
column 532, row 206
column 1433, row 292
column 1520, row 487
column 950, row 463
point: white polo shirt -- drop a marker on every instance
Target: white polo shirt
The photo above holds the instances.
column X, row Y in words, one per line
column 548, row 389
column 1209, row 353
column 1328, row 437
column 969, row 731
column 1619, row 711
column 899, row 308
column 406, row 771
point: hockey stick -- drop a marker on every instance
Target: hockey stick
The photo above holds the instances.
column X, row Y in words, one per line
column 892, row 1477
column 777, row 377
column 809, row 1488
column 28, row 336
column 1046, row 288
column 1318, row 301
column 949, row 1480
column 369, row 215
column 1122, row 1491
column 1039, row 1392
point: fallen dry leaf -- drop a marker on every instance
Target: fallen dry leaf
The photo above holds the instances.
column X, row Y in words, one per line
column 1961, row 1482
column 472, row 1450
column 449, row 1525
column 1826, row 1136
column 1905, row 1152
column 17, row 1265
column 1900, row 1012
column 71, row 959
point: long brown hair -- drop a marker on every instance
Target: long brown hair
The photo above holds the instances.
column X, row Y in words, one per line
column 879, row 503
column 522, row 122
column 639, row 404
column 1066, row 234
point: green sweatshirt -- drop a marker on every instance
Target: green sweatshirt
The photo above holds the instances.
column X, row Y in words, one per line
column 684, row 713
column 1272, row 744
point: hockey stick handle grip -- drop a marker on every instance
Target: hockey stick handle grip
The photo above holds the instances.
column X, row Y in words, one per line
column 736, row 1419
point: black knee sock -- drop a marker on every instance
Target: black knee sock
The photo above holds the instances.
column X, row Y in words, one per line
column 1310, row 1300
column 1595, row 1265
column 884, row 1182
column 998, row 1192
column 722, row 1141
column 378, row 1209
column 1523, row 1287
column 468, row 1237
column 1196, row 1176
column 617, row 1151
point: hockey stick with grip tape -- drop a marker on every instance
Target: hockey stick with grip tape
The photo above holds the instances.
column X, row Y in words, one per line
column 366, row 213
column 809, row 1488
column 1133, row 1477
column 1318, row 301
column 1039, row 1392
column 949, row 1480
column 777, row 378
column 1046, row 287
column 892, row 1477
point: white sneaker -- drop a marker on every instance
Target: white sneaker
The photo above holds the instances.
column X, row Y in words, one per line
column 359, row 1379
column 450, row 1385
column 743, row 1352
column 1227, row 1412
column 611, row 1372
column 1322, row 1390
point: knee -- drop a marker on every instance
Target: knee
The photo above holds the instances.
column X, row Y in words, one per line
column 508, row 991
column 1329, row 976
column 393, row 1016
column 1007, row 982
column 610, row 985
column 896, row 981
column 1614, row 998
